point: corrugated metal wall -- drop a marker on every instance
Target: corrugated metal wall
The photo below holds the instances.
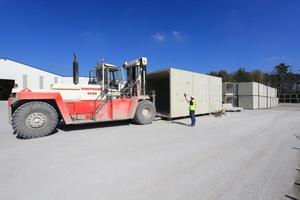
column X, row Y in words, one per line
column 29, row 77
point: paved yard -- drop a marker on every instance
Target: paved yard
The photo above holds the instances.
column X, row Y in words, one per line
column 247, row 155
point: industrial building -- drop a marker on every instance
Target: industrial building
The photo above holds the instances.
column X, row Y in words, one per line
column 171, row 84
column 25, row 76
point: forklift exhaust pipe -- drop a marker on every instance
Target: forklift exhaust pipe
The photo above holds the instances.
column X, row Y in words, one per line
column 75, row 71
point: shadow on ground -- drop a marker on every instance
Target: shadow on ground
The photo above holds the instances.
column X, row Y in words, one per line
column 75, row 127
column 24, row 138
column 180, row 123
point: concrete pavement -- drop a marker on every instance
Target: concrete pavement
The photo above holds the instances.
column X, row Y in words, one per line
column 245, row 155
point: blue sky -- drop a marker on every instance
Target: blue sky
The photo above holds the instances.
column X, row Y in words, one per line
column 194, row 35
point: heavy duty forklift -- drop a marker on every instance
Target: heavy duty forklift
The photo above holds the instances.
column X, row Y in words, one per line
column 107, row 97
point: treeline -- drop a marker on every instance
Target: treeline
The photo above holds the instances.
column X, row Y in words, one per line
column 281, row 78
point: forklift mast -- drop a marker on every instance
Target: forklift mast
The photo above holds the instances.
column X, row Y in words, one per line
column 136, row 73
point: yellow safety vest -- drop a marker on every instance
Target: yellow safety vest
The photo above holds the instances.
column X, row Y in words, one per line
column 193, row 106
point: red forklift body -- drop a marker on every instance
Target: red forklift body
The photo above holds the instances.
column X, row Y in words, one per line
column 83, row 111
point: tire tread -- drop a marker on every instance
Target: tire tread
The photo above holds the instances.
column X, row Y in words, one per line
column 19, row 128
column 138, row 117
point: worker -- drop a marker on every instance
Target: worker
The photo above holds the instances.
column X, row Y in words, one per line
column 192, row 109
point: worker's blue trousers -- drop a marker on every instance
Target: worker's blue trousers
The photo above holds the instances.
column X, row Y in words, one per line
column 193, row 118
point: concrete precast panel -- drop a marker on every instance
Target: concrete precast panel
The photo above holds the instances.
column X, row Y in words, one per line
column 268, row 91
column 272, row 102
column 265, row 90
column 171, row 84
column 262, row 89
column 248, row 102
column 215, row 93
column 262, row 102
column 181, row 83
column 269, row 102
column 201, row 92
column 248, row 88
column 272, row 92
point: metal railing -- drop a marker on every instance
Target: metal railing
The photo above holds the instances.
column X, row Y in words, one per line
column 103, row 102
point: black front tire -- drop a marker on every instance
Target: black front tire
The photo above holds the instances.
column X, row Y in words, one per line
column 34, row 119
column 145, row 112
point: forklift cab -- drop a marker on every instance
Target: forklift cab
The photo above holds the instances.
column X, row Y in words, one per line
column 107, row 75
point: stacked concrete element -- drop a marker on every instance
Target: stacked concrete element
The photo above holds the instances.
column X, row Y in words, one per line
column 263, row 96
column 252, row 95
column 272, row 97
column 230, row 93
column 171, row 84
column 248, row 96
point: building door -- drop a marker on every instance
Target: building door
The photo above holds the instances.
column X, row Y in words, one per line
column 5, row 88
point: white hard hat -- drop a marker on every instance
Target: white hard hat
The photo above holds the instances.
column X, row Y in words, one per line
column 192, row 97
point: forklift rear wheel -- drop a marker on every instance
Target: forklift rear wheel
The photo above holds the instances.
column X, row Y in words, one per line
column 145, row 112
column 34, row 119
